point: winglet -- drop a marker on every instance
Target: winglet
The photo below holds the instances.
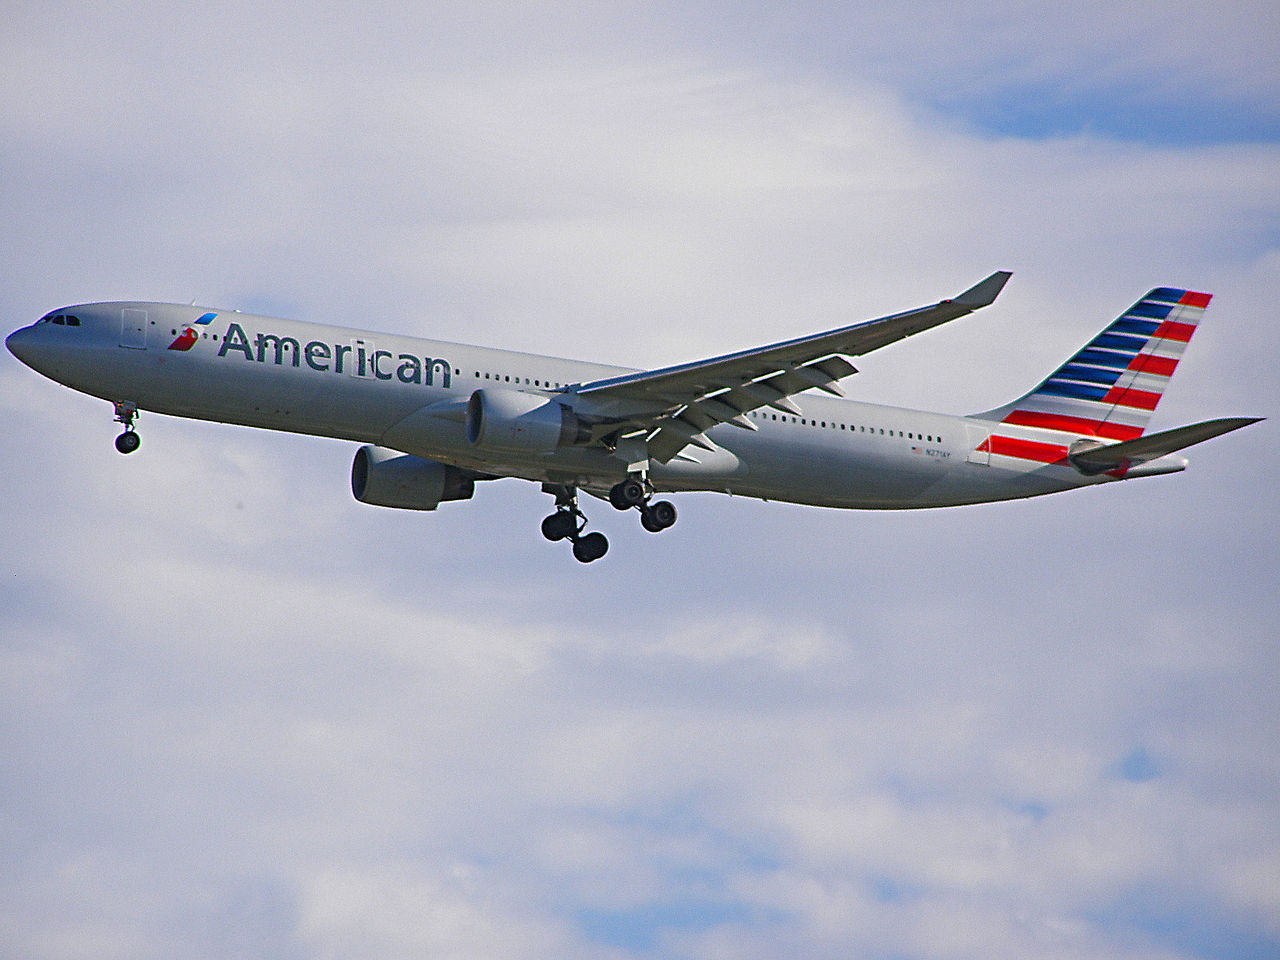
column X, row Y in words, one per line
column 985, row 292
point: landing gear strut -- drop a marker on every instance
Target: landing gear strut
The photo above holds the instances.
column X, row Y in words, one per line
column 568, row 522
column 635, row 492
column 126, row 413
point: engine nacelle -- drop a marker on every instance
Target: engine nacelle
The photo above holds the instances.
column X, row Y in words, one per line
column 389, row 478
column 521, row 422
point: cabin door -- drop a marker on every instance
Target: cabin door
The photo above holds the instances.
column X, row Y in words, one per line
column 978, row 433
column 133, row 329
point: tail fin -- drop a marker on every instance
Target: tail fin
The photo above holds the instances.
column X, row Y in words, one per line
column 1111, row 387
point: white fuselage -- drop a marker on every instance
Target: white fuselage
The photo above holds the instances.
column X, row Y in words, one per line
column 374, row 388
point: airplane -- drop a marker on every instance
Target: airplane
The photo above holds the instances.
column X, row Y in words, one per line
column 436, row 417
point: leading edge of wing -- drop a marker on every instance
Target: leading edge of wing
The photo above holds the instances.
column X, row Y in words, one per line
column 853, row 340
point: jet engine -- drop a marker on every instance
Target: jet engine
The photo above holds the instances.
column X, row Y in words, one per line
column 389, row 478
column 522, row 422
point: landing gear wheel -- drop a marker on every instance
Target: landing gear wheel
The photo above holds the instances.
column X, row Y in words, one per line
column 126, row 413
column 559, row 525
column 627, row 494
column 658, row 516
column 591, row 547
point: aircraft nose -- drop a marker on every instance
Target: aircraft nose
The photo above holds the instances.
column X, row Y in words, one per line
column 20, row 344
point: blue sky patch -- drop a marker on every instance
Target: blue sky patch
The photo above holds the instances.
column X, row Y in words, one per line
column 1043, row 112
column 1139, row 766
column 1202, row 930
column 642, row 927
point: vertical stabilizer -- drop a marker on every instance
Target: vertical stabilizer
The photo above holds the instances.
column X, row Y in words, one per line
column 1111, row 387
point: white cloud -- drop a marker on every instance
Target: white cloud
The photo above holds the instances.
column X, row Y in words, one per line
column 236, row 701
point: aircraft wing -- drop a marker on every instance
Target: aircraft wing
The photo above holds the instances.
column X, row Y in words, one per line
column 687, row 400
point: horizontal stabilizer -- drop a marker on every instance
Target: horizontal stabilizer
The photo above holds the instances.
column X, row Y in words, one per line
column 1153, row 446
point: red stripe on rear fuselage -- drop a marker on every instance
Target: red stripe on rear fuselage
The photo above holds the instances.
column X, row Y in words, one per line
column 1059, row 421
column 1024, row 449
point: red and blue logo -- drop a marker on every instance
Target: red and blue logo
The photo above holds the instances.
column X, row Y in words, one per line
column 187, row 339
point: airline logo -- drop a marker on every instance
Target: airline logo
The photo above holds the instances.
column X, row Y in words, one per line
column 188, row 337
column 355, row 359
column 1110, row 388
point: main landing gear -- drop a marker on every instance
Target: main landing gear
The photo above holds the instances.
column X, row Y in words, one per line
column 126, row 413
column 634, row 492
column 568, row 522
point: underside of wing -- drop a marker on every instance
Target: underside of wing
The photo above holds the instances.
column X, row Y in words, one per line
column 672, row 408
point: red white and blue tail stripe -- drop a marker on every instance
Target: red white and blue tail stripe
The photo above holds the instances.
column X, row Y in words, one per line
column 1111, row 387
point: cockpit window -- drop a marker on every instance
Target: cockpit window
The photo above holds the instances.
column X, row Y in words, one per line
column 62, row 319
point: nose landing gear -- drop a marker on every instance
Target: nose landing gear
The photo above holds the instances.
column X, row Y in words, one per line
column 126, row 413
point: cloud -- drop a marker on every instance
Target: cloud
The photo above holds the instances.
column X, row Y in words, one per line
column 246, row 715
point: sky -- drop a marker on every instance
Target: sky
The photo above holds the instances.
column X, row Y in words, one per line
column 243, row 715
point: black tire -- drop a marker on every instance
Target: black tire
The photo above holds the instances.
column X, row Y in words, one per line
column 627, row 494
column 663, row 513
column 558, row 526
column 591, row 547
column 128, row 442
